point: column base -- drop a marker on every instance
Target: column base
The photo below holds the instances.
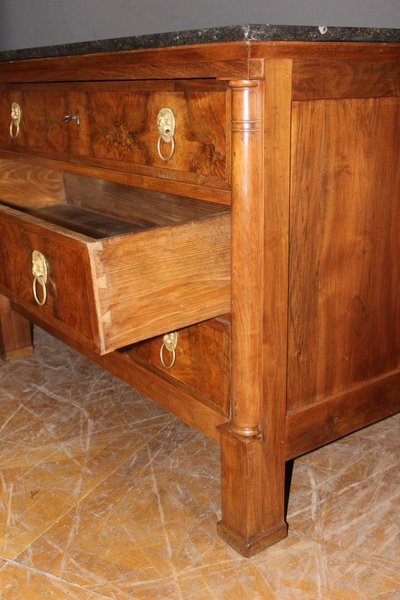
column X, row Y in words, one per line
column 250, row 547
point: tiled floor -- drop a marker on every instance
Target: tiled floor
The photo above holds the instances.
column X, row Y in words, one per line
column 105, row 495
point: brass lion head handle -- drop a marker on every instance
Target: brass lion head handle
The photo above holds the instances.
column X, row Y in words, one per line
column 166, row 129
column 170, row 342
column 40, row 271
column 16, row 114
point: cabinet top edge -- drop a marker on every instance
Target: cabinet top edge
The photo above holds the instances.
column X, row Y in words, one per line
column 235, row 33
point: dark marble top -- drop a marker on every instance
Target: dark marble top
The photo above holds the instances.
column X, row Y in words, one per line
column 216, row 34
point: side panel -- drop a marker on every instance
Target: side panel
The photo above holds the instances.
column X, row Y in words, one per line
column 344, row 275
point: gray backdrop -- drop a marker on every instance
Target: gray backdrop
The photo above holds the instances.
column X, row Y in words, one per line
column 28, row 23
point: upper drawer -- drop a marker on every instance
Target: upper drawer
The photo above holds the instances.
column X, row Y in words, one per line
column 115, row 125
column 108, row 281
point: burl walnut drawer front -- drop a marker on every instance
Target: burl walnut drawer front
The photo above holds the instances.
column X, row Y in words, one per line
column 200, row 362
column 117, row 282
column 174, row 130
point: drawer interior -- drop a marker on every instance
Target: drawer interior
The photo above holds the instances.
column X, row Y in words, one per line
column 100, row 209
column 80, row 220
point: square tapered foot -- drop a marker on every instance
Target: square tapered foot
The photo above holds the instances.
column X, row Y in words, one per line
column 252, row 492
column 250, row 547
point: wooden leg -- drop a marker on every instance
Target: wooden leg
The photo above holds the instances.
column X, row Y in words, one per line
column 15, row 332
column 252, row 495
column 253, row 442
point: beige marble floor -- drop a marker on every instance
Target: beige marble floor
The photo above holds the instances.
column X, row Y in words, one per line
column 105, row 495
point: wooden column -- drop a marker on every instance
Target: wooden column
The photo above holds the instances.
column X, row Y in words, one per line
column 15, row 332
column 247, row 256
column 252, row 444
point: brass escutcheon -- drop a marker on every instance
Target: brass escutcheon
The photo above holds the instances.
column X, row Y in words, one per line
column 69, row 118
column 166, row 129
column 40, row 274
column 170, row 342
column 16, row 114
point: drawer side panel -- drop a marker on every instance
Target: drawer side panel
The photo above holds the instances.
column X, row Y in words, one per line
column 161, row 280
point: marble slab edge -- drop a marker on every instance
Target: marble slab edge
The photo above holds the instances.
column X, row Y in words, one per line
column 233, row 33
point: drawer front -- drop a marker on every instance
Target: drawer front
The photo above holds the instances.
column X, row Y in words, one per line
column 69, row 303
column 41, row 129
column 111, row 292
column 201, row 363
column 116, row 126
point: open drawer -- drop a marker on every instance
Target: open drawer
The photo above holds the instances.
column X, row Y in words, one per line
column 108, row 280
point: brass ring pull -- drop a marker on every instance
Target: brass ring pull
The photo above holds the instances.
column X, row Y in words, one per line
column 170, row 141
column 173, row 357
column 14, row 130
column 40, row 273
column 39, row 301
column 170, row 342
column 15, row 120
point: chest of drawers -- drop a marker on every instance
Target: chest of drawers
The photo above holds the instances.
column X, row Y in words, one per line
column 218, row 224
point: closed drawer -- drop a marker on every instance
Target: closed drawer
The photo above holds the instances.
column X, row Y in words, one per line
column 112, row 281
column 40, row 128
column 201, row 364
column 116, row 125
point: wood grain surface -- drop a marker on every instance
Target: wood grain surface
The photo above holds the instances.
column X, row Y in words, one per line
column 25, row 184
column 344, row 272
column 162, row 279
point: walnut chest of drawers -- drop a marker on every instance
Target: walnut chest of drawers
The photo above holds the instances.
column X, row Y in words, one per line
column 215, row 219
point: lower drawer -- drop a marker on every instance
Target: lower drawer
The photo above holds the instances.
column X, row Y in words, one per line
column 110, row 281
column 200, row 363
